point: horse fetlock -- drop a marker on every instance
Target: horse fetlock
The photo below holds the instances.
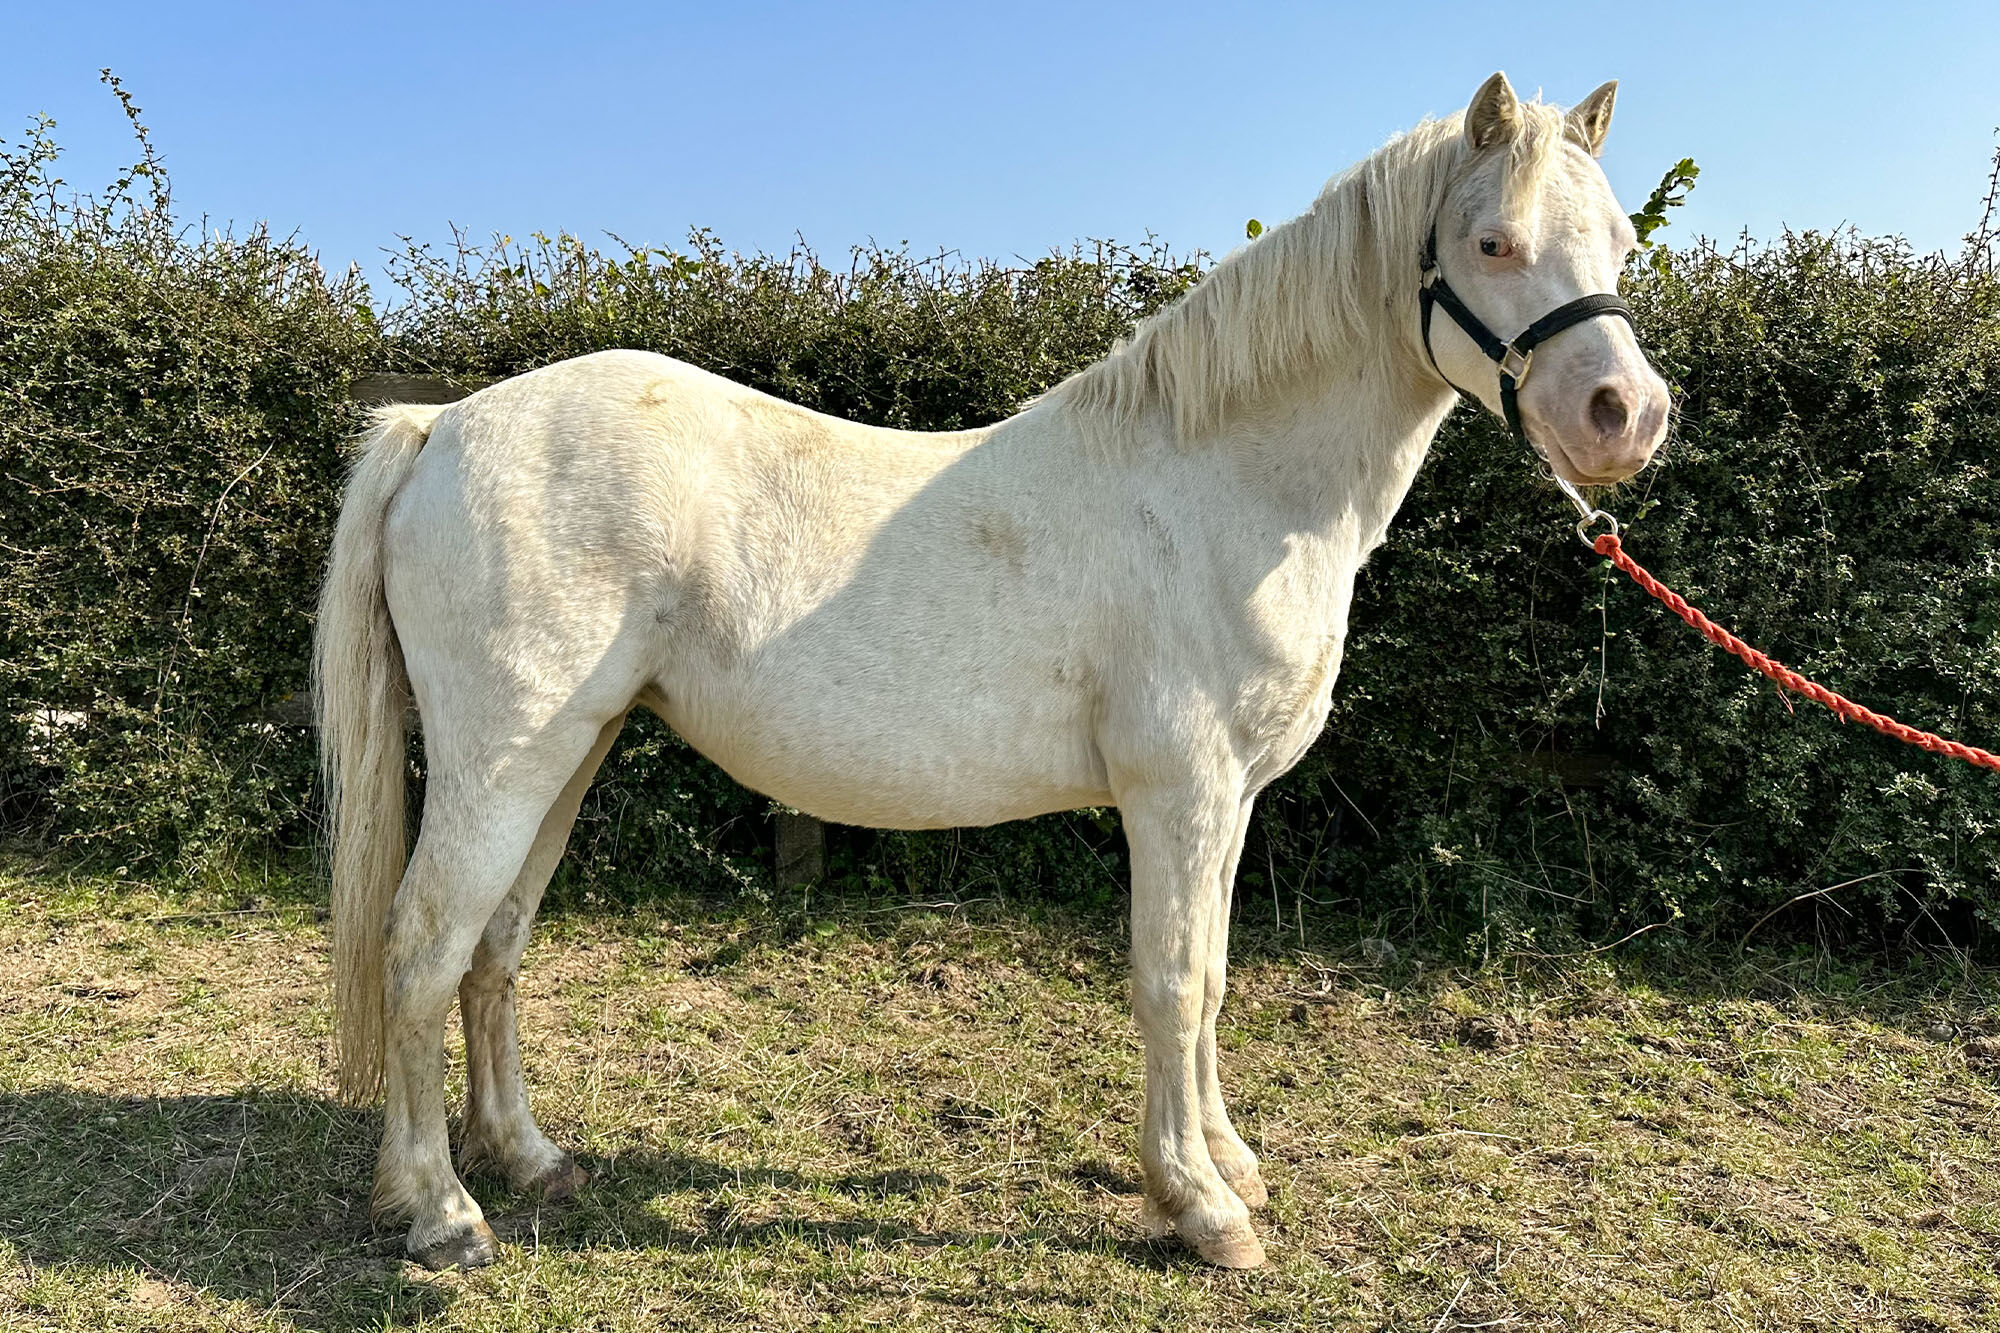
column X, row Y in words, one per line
column 447, row 1229
column 445, row 1222
column 1249, row 1187
column 1238, row 1167
column 525, row 1161
column 396, row 1197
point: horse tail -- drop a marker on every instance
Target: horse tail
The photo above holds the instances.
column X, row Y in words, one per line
column 360, row 696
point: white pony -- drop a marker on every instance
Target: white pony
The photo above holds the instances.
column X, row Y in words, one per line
column 1134, row 592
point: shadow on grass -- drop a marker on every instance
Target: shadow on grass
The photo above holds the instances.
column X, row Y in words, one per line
column 1910, row 987
column 1910, row 981
column 261, row 1197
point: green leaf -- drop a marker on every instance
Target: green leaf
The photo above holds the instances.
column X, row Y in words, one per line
column 1253, row 229
column 1671, row 192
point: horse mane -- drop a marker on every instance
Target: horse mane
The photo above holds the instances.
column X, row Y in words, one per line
column 1303, row 292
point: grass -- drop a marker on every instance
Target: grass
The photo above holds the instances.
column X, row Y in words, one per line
column 869, row 1115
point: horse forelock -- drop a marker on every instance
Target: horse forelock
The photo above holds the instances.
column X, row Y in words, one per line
column 1334, row 281
column 1532, row 155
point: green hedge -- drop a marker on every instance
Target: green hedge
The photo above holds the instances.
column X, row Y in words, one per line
column 170, row 406
column 1828, row 492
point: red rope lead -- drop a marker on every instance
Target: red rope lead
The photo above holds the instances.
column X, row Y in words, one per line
column 1607, row 545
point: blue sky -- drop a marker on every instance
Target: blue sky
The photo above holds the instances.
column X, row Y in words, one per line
column 994, row 130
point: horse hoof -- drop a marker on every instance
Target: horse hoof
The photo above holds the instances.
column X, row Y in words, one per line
column 473, row 1248
column 1251, row 1190
column 1232, row 1249
column 561, row 1181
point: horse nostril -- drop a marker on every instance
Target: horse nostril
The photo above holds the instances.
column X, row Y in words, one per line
column 1609, row 413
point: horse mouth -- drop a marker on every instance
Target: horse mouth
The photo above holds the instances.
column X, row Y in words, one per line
column 1558, row 461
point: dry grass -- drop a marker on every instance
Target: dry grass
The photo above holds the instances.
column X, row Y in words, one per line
column 925, row 1119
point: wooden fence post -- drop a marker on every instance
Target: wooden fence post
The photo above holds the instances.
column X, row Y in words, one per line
column 385, row 387
column 801, row 849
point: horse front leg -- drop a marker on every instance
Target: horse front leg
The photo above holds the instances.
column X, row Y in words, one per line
column 1181, row 839
column 1226, row 1148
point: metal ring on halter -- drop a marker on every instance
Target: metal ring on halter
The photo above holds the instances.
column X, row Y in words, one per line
column 1583, row 526
column 1590, row 512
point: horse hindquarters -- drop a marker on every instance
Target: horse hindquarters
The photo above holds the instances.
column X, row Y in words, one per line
column 422, row 599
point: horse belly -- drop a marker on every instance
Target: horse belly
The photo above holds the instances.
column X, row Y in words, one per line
column 944, row 757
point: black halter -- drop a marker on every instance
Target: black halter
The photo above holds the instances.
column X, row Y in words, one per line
column 1516, row 357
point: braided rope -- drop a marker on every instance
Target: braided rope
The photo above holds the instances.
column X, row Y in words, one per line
column 1607, row 545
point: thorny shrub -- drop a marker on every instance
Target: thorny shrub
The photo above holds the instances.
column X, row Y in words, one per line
column 1521, row 745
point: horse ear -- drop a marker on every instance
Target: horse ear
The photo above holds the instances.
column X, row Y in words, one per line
column 1495, row 113
column 1590, row 120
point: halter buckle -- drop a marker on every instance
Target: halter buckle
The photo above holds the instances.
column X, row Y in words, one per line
column 1511, row 357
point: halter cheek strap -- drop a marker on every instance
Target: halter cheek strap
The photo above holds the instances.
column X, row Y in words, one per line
column 1514, row 358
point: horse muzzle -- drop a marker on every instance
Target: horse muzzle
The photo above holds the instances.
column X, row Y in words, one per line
column 1605, row 431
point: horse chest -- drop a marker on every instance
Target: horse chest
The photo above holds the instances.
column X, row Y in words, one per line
column 1281, row 712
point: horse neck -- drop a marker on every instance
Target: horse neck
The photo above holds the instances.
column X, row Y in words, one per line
column 1333, row 454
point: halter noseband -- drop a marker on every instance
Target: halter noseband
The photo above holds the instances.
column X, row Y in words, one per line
column 1513, row 358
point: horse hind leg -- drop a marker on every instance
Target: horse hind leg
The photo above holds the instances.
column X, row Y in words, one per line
column 480, row 822
column 501, row 1135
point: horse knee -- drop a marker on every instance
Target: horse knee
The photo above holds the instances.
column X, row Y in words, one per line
column 1166, row 1004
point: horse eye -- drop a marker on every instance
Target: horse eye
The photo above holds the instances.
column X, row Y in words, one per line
column 1494, row 247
